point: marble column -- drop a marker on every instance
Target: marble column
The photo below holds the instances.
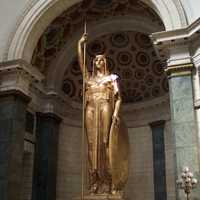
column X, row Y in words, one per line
column 180, row 48
column 45, row 167
column 12, row 131
column 183, row 120
column 159, row 160
column 196, row 82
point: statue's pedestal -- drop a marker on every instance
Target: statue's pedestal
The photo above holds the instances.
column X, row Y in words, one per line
column 102, row 197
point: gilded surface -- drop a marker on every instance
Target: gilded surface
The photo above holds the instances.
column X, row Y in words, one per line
column 107, row 137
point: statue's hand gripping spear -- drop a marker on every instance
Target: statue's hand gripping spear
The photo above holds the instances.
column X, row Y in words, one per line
column 84, row 51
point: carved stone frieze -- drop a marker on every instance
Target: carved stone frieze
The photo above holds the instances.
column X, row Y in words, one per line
column 186, row 38
column 18, row 75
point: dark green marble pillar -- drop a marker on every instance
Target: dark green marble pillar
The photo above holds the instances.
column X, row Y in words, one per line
column 12, row 131
column 160, row 192
column 45, row 167
column 183, row 121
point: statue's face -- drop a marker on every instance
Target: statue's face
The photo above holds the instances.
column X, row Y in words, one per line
column 100, row 61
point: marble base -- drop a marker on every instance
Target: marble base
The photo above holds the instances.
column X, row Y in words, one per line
column 102, row 197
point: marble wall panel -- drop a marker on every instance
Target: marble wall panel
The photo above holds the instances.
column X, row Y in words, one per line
column 12, row 122
column 69, row 163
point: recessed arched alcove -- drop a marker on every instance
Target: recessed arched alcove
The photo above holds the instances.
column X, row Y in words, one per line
column 121, row 31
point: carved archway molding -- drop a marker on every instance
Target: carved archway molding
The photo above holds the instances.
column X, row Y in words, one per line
column 44, row 11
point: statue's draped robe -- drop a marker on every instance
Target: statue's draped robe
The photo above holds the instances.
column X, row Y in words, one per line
column 118, row 155
column 107, row 147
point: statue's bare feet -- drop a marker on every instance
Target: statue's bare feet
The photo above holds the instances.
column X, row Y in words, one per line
column 93, row 189
column 115, row 191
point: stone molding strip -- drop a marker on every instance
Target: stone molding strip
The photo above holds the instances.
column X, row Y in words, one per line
column 179, row 35
column 186, row 38
column 179, row 70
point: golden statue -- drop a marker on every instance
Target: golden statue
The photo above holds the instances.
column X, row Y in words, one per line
column 107, row 137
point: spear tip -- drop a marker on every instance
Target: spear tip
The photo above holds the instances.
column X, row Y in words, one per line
column 85, row 26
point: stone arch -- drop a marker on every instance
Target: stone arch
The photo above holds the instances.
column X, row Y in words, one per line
column 43, row 12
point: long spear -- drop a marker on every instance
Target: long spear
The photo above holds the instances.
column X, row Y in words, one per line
column 83, row 117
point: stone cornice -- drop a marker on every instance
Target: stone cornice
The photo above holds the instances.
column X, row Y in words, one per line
column 21, row 66
column 186, row 39
column 17, row 76
column 179, row 70
column 181, row 36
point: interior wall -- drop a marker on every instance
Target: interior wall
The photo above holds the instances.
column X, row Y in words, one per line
column 170, row 178
column 28, row 161
column 69, row 162
column 10, row 14
column 140, row 181
column 191, row 8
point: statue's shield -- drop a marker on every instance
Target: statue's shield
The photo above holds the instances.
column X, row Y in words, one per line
column 118, row 154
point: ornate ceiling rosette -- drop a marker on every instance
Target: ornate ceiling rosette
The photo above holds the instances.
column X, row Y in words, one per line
column 141, row 74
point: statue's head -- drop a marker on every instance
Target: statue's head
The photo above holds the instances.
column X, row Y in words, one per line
column 99, row 63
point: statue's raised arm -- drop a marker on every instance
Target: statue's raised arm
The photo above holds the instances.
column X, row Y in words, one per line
column 81, row 58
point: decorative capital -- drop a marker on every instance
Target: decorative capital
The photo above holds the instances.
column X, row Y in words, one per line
column 53, row 116
column 18, row 75
column 179, row 70
column 157, row 123
column 167, row 42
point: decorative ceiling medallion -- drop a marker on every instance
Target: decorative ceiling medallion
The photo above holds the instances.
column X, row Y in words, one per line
column 143, row 40
column 141, row 74
column 96, row 47
column 120, row 39
column 69, row 87
column 124, row 58
column 157, row 68
column 143, row 58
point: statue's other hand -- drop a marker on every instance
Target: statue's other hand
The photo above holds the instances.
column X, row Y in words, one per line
column 83, row 38
column 115, row 120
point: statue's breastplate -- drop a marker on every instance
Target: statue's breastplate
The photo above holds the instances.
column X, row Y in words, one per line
column 99, row 90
